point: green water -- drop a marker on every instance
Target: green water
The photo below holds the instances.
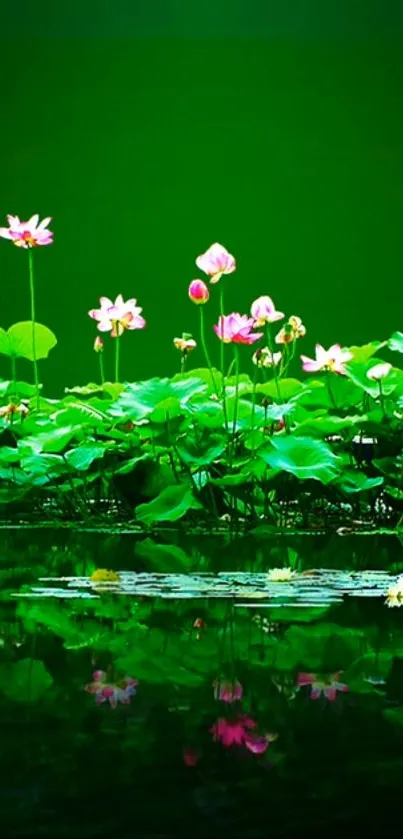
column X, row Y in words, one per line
column 317, row 659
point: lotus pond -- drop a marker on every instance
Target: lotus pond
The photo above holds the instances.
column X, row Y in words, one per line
column 202, row 575
column 181, row 684
column 271, row 435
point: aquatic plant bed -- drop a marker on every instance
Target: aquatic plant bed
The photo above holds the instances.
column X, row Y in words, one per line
column 212, row 443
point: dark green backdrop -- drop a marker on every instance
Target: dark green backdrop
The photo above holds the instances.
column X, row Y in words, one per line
column 279, row 134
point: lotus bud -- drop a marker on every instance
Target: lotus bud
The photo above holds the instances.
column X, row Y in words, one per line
column 198, row 292
column 379, row 372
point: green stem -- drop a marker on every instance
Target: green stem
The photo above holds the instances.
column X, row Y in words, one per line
column 329, row 389
column 117, row 355
column 14, row 376
column 205, row 350
column 183, row 362
column 33, row 317
column 236, row 361
column 222, row 329
column 381, row 399
column 284, row 363
column 229, row 371
column 271, row 348
column 253, row 410
column 222, row 359
column 101, row 368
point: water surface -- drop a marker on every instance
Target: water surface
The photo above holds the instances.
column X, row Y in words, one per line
column 192, row 693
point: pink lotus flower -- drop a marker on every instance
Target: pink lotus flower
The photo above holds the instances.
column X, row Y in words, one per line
column 332, row 359
column 236, row 328
column 215, row 262
column 232, row 733
column 98, row 344
column 327, row 686
column 198, row 292
column 264, row 311
column 27, row 234
column 118, row 316
column 293, row 329
column 109, row 692
column 227, row 691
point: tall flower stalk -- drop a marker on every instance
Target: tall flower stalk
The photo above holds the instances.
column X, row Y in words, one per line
column 271, row 348
column 28, row 235
column 117, row 358
column 222, row 353
column 236, row 362
column 185, row 344
column 99, row 349
column 117, row 317
column 199, row 294
column 33, row 321
column 216, row 262
column 205, row 350
column 235, row 329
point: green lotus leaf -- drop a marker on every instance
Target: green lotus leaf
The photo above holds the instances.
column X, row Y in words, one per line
column 170, row 397
column 17, row 340
column 170, row 505
column 304, row 457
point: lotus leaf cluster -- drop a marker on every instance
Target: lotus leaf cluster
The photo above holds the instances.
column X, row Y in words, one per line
column 304, row 440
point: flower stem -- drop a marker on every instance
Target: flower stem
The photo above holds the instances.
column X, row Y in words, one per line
column 229, row 371
column 183, row 362
column 271, row 348
column 222, row 359
column 14, row 376
column 101, row 368
column 205, row 350
column 329, row 389
column 252, row 421
column 33, row 316
column 222, row 329
column 236, row 361
column 117, row 358
column 381, row 399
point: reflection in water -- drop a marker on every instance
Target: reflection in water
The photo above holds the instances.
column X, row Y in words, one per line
column 201, row 702
column 113, row 693
column 327, row 686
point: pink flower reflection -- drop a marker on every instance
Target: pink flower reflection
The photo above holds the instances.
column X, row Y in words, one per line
column 111, row 692
column 258, row 744
column 240, row 732
column 227, row 691
column 327, row 686
column 232, row 732
column 190, row 757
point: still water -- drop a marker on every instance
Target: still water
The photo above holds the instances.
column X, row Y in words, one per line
column 198, row 688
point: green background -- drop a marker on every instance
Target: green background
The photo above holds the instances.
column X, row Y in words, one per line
column 149, row 131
